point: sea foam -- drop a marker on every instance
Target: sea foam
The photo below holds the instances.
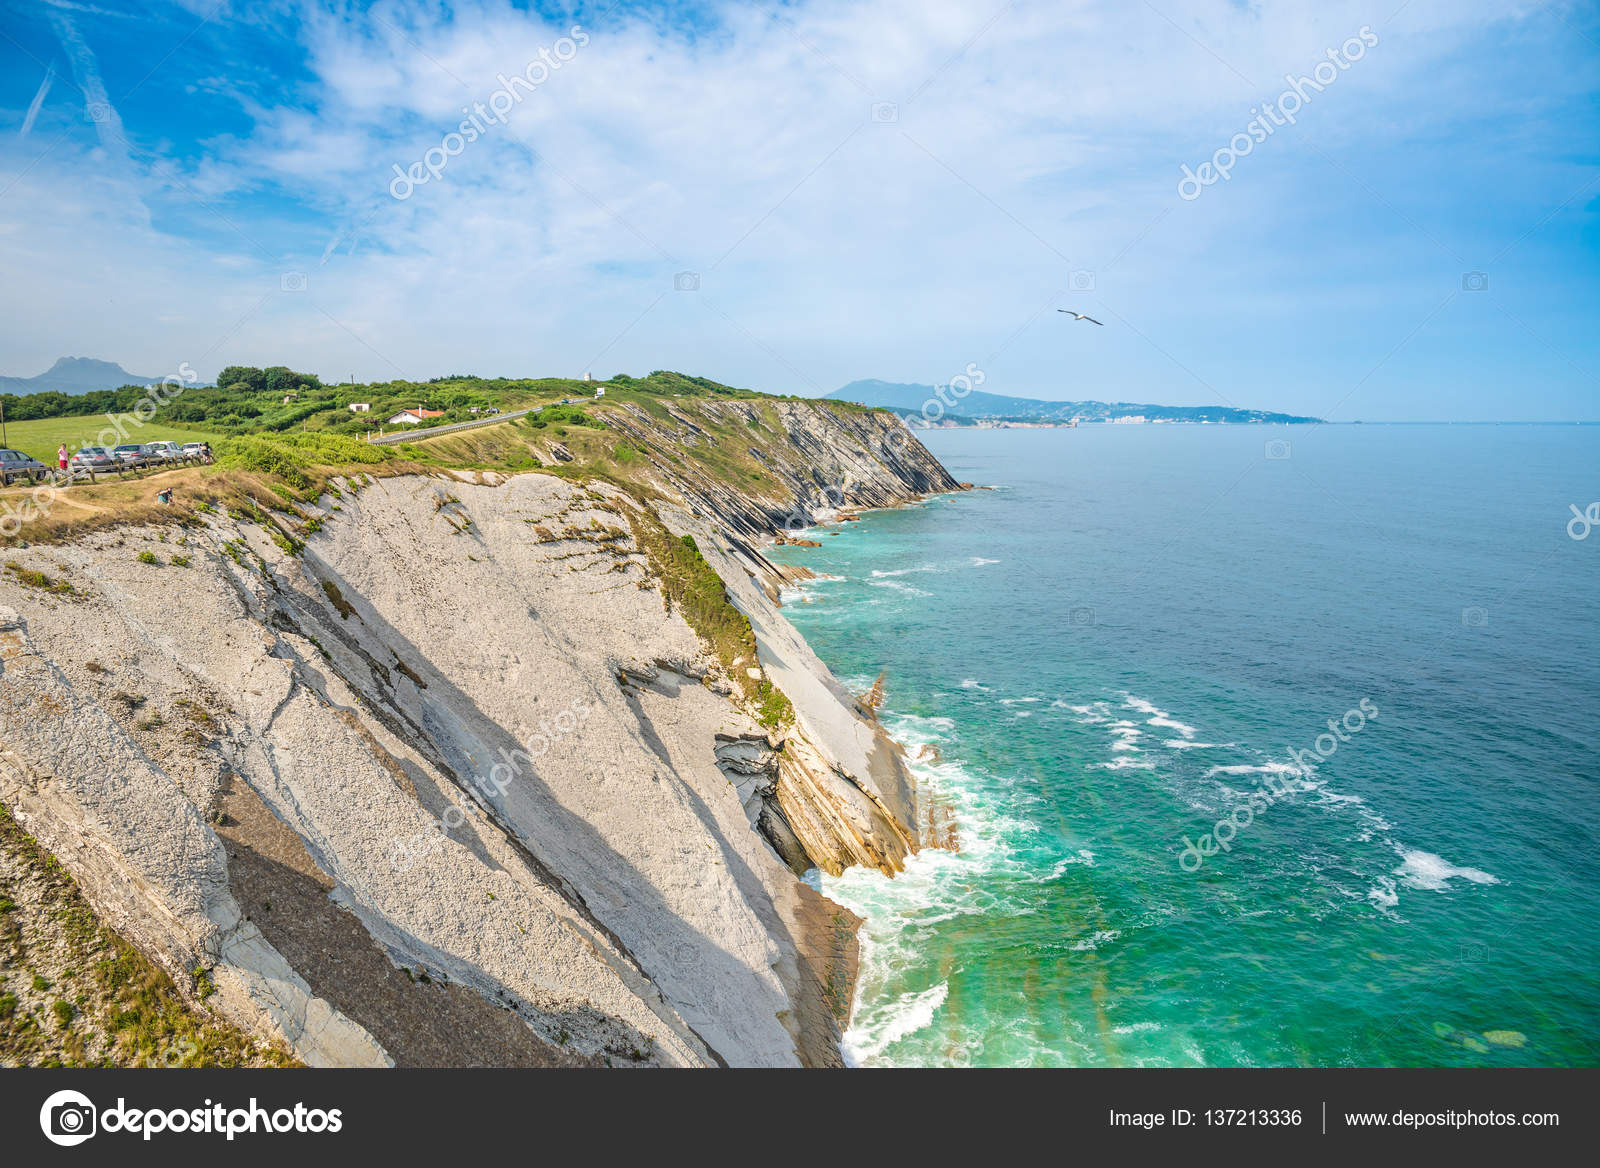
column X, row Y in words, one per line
column 1158, row 716
column 895, row 1021
column 1434, row 873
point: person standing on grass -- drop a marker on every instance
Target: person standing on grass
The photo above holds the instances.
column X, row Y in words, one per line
column 61, row 457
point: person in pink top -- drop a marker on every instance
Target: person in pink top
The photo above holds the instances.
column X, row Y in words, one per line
column 61, row 456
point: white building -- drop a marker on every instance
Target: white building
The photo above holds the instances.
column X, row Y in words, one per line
column 412, row 417
column 360, row 407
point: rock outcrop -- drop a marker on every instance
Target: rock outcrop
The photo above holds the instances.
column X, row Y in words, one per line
column 823, row 456
column 455, row 758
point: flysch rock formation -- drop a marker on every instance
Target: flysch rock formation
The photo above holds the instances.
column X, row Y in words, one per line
column 453, row 785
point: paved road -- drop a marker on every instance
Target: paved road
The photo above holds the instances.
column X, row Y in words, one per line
column 454, row 427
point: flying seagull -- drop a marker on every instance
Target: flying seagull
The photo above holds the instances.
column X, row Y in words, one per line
column 1079, row 316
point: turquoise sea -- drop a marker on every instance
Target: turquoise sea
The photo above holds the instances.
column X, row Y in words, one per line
column 1119, row 646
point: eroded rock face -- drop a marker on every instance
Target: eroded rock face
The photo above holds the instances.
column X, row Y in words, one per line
column 82, row 786
column 841, row 789
column 825, row 456
column 459, row 747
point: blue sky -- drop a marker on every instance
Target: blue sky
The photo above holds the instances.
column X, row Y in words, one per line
column 863, row 189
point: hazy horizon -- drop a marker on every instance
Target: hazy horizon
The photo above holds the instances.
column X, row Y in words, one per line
column 783, row 199
column 1507, row 421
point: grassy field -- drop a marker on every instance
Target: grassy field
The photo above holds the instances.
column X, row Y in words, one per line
column 41, row 438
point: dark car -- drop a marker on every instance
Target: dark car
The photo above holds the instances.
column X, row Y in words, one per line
column 16, row 465
column 94, row 458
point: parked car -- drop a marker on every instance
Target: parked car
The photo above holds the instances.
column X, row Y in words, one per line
column 166, row 451
column 132, row 455
column 16, row 465
column 194, row 449
column 96, row 458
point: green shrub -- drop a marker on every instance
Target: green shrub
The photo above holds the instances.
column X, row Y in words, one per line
column 773, row 708
column 291, row 456
column 35, row 579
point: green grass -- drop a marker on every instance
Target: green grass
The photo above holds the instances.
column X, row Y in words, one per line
column 42, row 437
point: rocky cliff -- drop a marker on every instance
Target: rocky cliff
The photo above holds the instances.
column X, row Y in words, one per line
column 437, row 772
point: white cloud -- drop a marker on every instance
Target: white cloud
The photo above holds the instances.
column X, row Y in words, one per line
column 830, row 245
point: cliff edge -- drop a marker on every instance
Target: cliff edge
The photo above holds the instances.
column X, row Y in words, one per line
column 471, row 768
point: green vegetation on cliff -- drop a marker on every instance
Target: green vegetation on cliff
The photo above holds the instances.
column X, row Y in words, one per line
column 275, row 400
column 694, row 589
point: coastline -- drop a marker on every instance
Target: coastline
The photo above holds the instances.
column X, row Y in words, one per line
column 886, row 762
column 1080, row 752
column 345, row 648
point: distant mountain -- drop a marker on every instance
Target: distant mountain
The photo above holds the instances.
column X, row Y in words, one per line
column 75, row 375
column 978, row 406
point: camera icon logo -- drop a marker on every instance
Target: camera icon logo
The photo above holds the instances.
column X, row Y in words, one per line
column 1080, row 616
column 1475, row 618
column 686, row 282
column 1474, row 281
column 292, row 282
column 1278, row 448
column 1474, row 953
column 68, row 1118
column 885, row 111
column 1082, row 280
column 97, row 112
column 686, row 956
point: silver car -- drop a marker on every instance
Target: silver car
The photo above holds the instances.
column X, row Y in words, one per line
column 132, row 455
column 94, row 458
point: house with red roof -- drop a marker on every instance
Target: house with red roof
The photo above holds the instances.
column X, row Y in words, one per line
column 412, row 417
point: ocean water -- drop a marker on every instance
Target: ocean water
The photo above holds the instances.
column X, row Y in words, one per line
column 1118, row 647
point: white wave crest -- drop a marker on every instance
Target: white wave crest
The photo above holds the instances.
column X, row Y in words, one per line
column 895, row 1021
column 1158, row 716
column 1434, row 873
